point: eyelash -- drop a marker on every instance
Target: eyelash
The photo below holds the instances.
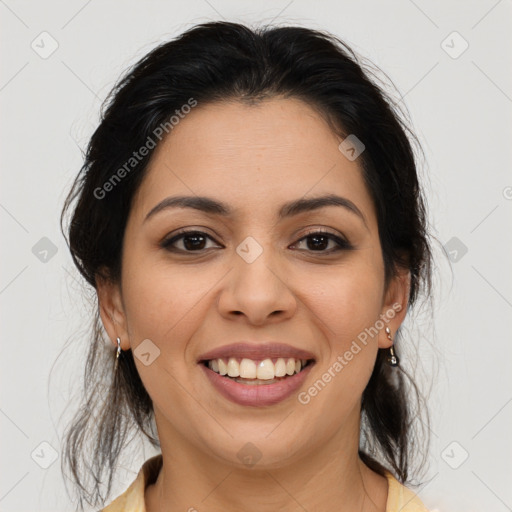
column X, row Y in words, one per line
column 342, row 244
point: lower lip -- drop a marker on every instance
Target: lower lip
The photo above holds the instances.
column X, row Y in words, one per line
column 256, row 395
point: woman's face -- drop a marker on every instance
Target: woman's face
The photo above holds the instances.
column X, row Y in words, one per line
column 254, row 274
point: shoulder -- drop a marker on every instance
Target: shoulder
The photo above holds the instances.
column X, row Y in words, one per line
column 132, row 500
column 402, row 499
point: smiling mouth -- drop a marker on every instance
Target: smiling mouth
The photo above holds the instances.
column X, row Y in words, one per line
column 257, row 372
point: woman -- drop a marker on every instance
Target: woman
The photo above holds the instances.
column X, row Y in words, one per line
column 250, row 217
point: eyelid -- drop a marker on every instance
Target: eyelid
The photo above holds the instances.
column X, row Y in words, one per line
column 341, row 241
column 168, row 240
column 324, row 231
column 343, row 244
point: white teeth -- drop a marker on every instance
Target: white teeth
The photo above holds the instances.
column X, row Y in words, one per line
column 262, row 370
column 223, row 367
column 265, row 370
column 233, row 367
column 280, row 369
column 247, row 369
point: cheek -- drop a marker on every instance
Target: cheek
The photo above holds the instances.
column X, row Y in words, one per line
column 347, row 299
column 165, row 304
column 347, row 306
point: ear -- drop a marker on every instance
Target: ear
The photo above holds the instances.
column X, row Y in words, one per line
column 112, row 310
column 394, row 307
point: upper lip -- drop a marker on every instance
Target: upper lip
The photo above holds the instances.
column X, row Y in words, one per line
column 256, row 351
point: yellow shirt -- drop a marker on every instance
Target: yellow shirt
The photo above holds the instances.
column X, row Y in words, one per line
column 400, row 498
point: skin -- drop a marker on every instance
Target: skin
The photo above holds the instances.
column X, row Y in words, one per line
column 254, row 158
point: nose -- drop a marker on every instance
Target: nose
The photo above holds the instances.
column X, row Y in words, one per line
column 258, row 291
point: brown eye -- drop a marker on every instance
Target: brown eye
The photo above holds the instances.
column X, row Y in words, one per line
column 191, row 241
column 319, row 241
column 322, row 242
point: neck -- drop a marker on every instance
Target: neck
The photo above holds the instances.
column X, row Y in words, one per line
column 328, row 477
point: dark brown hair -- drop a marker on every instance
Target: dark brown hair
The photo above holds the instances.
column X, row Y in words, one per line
column 223, row 61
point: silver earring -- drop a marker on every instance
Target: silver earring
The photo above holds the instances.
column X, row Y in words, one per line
column 392, row 357
column 118, row 353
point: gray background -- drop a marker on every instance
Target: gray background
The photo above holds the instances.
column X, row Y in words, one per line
column 460, row 104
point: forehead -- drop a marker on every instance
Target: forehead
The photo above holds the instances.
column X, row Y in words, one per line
column 252, row 155
column 278, row 128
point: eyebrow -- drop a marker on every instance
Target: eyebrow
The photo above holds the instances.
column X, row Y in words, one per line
column 212, row 206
